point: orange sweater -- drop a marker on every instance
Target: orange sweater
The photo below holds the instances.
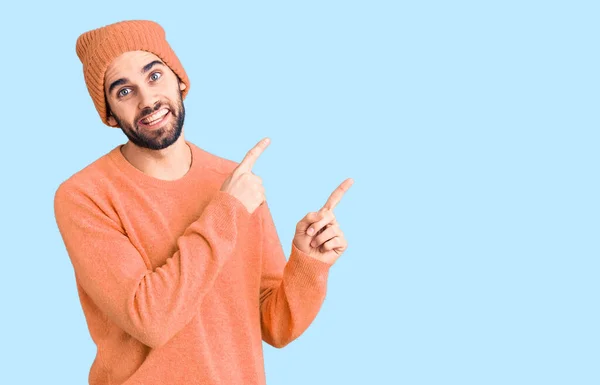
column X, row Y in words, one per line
column 178, row 283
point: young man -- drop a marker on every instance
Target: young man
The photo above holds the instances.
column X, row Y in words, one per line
column 179, row 269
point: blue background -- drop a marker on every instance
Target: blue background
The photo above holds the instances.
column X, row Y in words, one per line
column 469, row 127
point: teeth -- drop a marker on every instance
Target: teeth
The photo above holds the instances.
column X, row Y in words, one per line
column 155, row 116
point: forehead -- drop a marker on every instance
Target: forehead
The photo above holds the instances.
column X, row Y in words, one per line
column 128, row 64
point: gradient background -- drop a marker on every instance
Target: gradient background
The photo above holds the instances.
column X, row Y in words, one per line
column 470, row 128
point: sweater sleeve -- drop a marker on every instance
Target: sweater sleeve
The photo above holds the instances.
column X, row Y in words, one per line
column 292, row 292
column 152, row 306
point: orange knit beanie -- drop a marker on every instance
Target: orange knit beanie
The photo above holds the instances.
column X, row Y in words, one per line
column 97, row 48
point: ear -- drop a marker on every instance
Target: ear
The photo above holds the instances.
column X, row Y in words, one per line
column 182, row 86
column 112, row 121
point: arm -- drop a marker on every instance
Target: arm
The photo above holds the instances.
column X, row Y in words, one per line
column 291, row 294
column 152, row 306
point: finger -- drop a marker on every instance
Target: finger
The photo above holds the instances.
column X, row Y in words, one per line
column 334, row 221
column 323, row 229
column 337, row 194
column 327, row 234
column 327, row 217
column 308, row 220
column 248, row 162
column 338, row 244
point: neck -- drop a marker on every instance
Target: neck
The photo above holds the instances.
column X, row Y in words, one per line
column 170, row 163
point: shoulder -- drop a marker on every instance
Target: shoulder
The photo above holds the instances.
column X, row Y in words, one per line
column 85, row 183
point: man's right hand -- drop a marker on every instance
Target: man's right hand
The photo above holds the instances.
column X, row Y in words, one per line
column 243, row 184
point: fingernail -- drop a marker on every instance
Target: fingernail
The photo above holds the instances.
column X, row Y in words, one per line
column 310, row 231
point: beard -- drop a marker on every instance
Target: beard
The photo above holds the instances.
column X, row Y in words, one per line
column 160, row 138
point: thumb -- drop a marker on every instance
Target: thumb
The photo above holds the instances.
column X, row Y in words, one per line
column 310, row 219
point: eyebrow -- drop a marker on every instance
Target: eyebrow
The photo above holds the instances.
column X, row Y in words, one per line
column 145, row 69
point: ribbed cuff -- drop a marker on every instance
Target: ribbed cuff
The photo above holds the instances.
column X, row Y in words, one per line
column 222, row 220
column 305, row 270
column 229, row 201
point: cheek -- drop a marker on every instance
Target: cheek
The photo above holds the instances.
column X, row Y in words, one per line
column 170, row 96
column 126, row 114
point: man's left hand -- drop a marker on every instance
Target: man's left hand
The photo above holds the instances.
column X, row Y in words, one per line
column 326, row 242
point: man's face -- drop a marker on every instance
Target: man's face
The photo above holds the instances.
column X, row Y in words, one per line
column 145, row 99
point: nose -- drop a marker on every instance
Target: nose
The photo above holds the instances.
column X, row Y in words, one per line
column 148, row 98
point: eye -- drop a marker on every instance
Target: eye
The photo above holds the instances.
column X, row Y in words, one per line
column 122, row 92
column 155, row 76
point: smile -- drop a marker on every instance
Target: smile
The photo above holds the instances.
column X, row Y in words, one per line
column 155, row 119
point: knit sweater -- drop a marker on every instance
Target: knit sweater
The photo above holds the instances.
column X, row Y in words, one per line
column 178, row 282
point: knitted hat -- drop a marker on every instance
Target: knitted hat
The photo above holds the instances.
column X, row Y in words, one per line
column 97, row 48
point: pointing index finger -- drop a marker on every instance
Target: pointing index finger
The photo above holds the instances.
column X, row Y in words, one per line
column 248, row 162
column 338, row 193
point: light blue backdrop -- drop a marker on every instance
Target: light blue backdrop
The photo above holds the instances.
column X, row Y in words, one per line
column 469, row 127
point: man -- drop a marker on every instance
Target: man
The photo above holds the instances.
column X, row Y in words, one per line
column 179, row 269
